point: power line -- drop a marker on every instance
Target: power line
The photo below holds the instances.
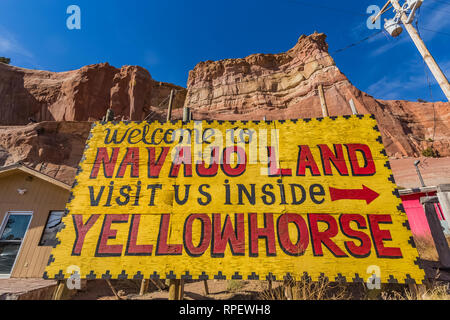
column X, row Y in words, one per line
column 351, row 45
column 334, row 9
column 427, row 6
column 329, row 54
column 440, row 32
column 441, row 1
column 167, row 98
column 356, row 43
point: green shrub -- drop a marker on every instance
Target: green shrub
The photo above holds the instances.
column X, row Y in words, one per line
column 5, row 60
column 430, row 153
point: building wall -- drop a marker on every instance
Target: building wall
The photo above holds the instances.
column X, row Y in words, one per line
column 41, row 198
column 416, row 214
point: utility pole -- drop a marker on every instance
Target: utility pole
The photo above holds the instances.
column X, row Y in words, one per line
column 416, row 164
column 427, row 57
column 169, row 111
column 435, row 70
column 323, row 101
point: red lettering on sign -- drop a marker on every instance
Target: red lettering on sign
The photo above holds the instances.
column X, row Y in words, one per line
column 162, row 247
column 155, row 166
column 284, row 239
column 131, row 158
column 379, row 236
column 324, row 237
column 268, row 233
column 235, row 237
column 81, row 229
column 103, row 249
column 109, row 163
column 133, row 249
column 363, row 250
column 205, row 235
column 336, row 158
column 241, row 162
column 182, row 157
column 368, row 169
column 202, row 171
column 306, row 160
column 274, row 171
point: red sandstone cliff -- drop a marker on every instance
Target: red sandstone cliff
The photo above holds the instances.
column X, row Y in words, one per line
column 81, row 95
column 60, row 102
column 284, row 86
column 53, row 148
column 280, row 86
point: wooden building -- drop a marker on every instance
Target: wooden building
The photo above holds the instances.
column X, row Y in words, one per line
column 31, row 207
column 416, row 213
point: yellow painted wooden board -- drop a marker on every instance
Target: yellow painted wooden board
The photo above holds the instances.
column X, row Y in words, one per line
column 313, row 197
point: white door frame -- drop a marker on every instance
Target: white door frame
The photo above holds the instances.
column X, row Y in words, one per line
column 2, row 227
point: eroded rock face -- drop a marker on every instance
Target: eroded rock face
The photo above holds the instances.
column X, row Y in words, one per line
column 53, row 148
column 281, row 86
column 81, row 95
column 284, row 86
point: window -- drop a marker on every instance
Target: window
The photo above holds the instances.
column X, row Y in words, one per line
column 53, row 226
column 12, row 234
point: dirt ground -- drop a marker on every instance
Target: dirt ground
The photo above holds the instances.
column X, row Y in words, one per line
column 193, row 290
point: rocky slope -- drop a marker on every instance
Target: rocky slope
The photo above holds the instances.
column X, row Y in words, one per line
column 280, row 86
column 284, row 86
column 81, row 95
column 53, row 148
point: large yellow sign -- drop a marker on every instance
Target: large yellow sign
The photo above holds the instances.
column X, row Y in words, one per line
column 236, row 200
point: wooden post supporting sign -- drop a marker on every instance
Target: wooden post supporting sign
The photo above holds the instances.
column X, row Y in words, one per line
column 181, row 290
column 205, row 283
column 57, row 295
column 144, row 287
column 158, row 284
column 113, row 289
column 176, row 289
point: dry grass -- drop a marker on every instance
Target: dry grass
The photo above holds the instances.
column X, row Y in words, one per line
column 438, row 292
column 306, row 290
column 324, row 290
column 427, row 249
column 235, row 285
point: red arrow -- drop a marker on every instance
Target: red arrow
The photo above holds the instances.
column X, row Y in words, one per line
column 353, row 194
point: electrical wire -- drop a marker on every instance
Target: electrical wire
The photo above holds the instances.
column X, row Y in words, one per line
column 146, row 118
column 435, row 31
column 334, row 9
column 329, row 54
column 161, row 103
column 351, row 45
column 427, row 6
column 358, row 42
column 441, row 1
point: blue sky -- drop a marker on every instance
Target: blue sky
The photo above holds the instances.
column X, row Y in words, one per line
column 170, row 37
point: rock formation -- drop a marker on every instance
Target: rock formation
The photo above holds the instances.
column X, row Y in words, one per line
column 284, row 86
column 82, row 95
column 280, row 86
column 53, row 148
